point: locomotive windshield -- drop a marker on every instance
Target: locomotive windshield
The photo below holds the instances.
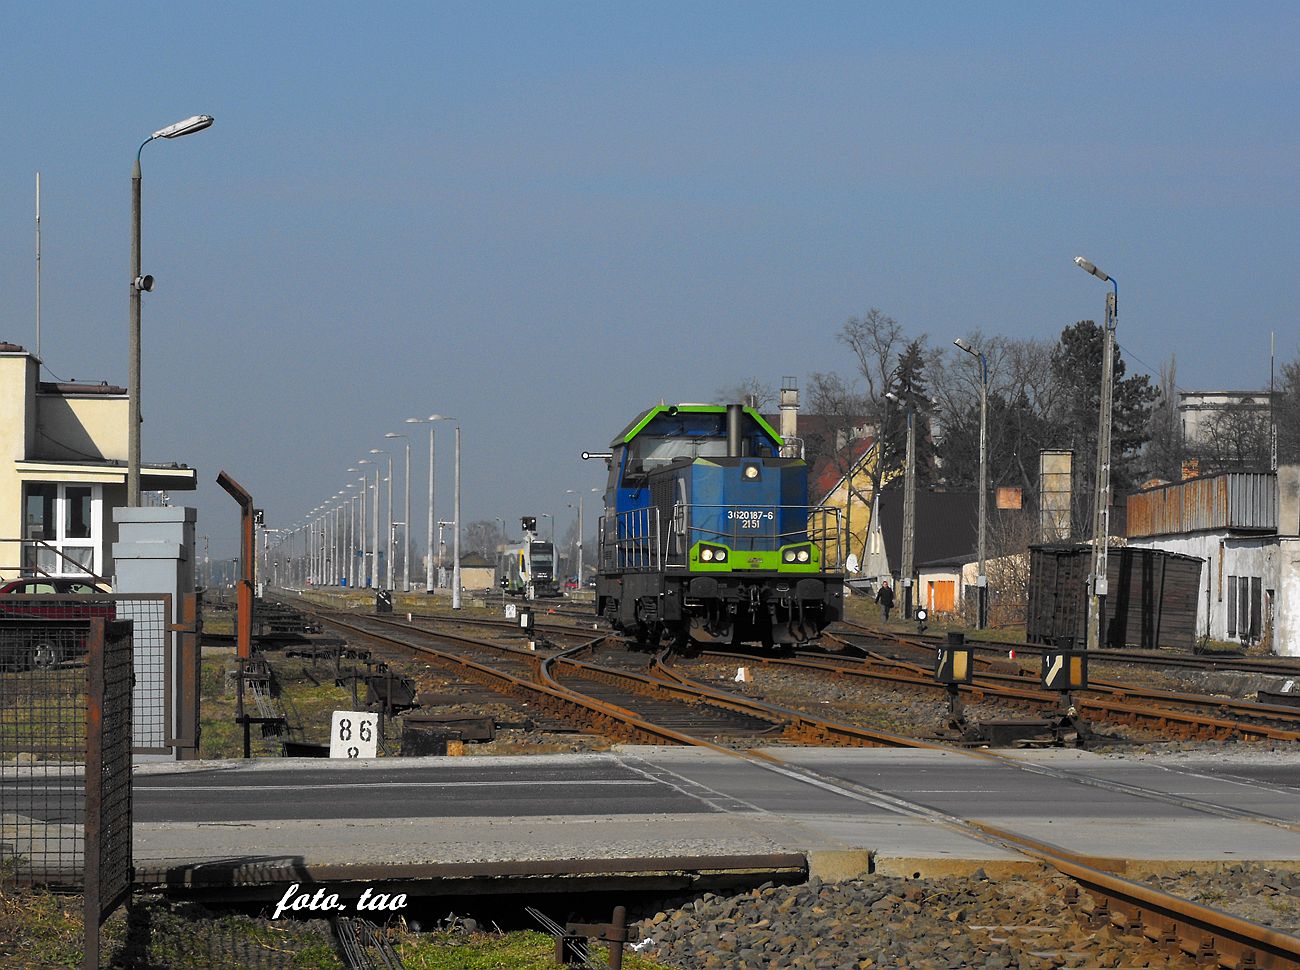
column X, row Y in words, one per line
column 542, row 556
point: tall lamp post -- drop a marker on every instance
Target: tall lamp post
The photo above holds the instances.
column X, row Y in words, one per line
column 388, row 540
column 982, row 580
column 455, row 539
column 907, row 567
column 581, row 495
column 547, row 515
column 428, row 562
column 406, row 516
column 373, row 582
column 1101, row 509
column 139, row 284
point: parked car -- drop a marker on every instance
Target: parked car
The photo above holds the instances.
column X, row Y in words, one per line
column 40, row 635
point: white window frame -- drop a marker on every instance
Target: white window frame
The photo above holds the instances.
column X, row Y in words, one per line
column 61, row 541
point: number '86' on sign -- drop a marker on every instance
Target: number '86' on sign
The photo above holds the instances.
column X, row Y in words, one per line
column 354, row 734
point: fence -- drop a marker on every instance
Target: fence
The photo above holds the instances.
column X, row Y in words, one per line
column 65, row 760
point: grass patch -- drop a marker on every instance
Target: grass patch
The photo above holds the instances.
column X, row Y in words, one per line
column 39, row 929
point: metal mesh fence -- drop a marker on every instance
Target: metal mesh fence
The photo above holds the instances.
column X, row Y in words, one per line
column 151, row 698
column 42, row 749
column 108, row 769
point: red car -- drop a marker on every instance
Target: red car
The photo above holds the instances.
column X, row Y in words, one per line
column 37, row 637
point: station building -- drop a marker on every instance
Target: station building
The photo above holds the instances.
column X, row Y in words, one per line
column 63, row 465
column 1246, row 528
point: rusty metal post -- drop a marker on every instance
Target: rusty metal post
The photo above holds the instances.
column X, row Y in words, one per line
column 244, row 594
column 244, row 599
column 188, row 669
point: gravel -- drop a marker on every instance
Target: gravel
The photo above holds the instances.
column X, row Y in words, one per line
column 881, row 921
column 1260, row 893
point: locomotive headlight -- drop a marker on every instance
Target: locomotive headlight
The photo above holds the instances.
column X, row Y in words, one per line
column 721, row 555
column 706, row 554
column 803, row 555
column 788, row 555
column 751, row 472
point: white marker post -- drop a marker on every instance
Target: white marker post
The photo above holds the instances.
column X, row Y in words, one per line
column 354, row 734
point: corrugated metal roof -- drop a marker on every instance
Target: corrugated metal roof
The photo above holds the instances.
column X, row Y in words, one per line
column 1233, row 500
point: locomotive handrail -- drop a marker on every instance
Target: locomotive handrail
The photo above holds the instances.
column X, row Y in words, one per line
column 634, row 540
column 635, row 543
column 818, row 526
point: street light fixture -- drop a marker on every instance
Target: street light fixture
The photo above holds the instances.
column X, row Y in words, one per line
column 406, row 515
column 428, row 563
column 139, row 284
column 906, row 569
column 1101, row 508
column 982, row 580
column 388, row 539
column 581, row 495
column 374, row 528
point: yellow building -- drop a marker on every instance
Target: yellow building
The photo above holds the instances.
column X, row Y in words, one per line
column 63, row 451
column 844, row 481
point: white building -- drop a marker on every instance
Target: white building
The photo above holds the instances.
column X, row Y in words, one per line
column 1246, row 526
column 63, row 450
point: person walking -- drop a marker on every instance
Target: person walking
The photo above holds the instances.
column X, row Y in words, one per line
column 885, row 597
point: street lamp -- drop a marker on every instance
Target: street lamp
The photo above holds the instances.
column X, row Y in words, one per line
column 982, row 580
column 1101, row 508
column 388, row 539
column 547, row 515
column 359, row 562
column 428, row 563
column 406, row 516
column 374, row 528
column 907, row 569
column 581, row 495
column 140, row 284
column 455, row 539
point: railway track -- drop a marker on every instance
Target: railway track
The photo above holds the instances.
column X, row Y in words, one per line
column 1205, row 933
column 1272, row 666
column 1170, row 713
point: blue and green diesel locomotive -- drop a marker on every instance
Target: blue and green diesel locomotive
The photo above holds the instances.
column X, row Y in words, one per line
column 708, row 535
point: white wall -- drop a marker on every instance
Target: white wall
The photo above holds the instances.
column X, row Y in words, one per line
column 1228, row 555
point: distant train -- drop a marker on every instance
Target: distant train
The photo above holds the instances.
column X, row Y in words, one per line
column 707, row 533
column 527, row 568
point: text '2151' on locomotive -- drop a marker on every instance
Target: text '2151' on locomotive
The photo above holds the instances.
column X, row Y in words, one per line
column 708, row 535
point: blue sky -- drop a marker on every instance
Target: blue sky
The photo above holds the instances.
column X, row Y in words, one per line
column 542, row 218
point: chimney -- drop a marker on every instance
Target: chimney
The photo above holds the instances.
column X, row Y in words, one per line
column 790, row 418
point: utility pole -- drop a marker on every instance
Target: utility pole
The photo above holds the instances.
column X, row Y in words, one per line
column 982, row 579
column 1101, row 507
column 909, row 510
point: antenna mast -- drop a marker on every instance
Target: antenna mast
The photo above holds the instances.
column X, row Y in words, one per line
column 38, row 265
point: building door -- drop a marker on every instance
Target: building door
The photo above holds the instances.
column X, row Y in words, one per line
column 942, row 595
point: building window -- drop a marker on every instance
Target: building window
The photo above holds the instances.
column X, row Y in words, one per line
column 63, row 523
column 1232, row 606
column 1256, row 609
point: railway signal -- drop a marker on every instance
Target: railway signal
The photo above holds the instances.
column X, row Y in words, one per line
column 953, row 666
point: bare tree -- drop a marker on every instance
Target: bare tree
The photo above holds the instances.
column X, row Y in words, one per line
column 843, row 411
column 753, row 391
column 482, row 537
column 1165, row 450
column 1286, row 404
column 877, row 341
column 1234, row 439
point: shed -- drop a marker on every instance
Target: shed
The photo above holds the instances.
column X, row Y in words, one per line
column 1152, row 601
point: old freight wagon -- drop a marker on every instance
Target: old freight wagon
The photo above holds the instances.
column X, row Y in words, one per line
column 1152, row 601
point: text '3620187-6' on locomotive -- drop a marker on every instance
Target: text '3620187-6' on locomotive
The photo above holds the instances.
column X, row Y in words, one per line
column 707, row 533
